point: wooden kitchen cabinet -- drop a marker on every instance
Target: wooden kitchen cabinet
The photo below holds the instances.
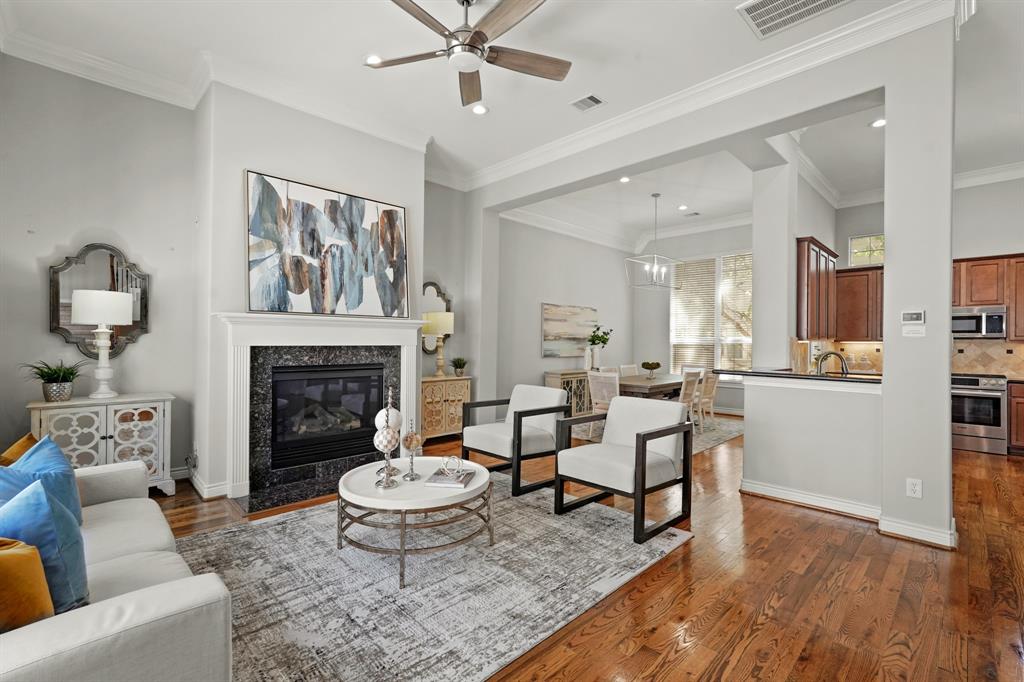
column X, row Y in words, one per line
column 1016, row 412
column 859, row 304
column 1015, row 299
column 816, row 290
column 982, row 282
column 957, row 283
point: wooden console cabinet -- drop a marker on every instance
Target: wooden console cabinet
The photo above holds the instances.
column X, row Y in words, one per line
column 859, row 304
column 576, row 384
column 441, row 400
column 815, row 290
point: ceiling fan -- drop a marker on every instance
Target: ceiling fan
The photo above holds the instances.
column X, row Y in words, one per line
column 468, row 47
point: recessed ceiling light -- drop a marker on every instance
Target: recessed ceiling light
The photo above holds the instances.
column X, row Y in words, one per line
column 683, row 207
column 479, row 109
column 624, row 179
column 878, row 123
column 372, row 60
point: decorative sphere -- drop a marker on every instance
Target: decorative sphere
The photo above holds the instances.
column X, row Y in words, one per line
column 395, row 421
column 386, row 440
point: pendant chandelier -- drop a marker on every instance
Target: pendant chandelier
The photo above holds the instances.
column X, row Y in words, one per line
column 651, row 271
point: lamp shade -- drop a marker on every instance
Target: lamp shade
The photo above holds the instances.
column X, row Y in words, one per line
column 92, row 306
column 438, row 324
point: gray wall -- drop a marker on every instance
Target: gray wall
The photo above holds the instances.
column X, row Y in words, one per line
column 987, row 221
column 79, row 163
column 538, row 266
column 444, row 258
column 815, row 216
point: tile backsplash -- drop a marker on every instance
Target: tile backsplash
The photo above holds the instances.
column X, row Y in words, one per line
column 974, row 356
column 862, row 356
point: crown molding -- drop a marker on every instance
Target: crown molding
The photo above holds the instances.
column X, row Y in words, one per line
column 694, row 227
column 97, row 69
column 868, row 196
column 568, row 229
column 440, row 176
column 814, row 177
column 890, row 22
column 186, row 95
column 987, row 176
column 963, row 180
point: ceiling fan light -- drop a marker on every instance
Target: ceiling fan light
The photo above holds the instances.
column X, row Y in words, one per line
column 465, row 58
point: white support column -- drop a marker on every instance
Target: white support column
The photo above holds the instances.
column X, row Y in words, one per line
column 774, row 256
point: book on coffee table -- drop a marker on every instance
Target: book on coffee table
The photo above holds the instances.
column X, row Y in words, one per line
column 439, row 479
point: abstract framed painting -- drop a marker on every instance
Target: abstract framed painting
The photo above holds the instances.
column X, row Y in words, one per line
column 565, row 329
column 319, row 251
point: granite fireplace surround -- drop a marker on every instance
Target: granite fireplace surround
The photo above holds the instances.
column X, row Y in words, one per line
column 274, row 487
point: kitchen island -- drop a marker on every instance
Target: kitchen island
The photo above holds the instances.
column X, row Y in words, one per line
column 813, row 440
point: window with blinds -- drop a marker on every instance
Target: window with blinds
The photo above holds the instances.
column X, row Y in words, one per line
column 712, row 312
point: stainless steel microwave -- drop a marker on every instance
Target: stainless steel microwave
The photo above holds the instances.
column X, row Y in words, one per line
column 985, row 322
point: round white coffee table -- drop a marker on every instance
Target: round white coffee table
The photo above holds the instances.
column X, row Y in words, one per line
column 359, row 500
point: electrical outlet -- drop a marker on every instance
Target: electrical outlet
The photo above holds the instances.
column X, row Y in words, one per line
column 914, row 487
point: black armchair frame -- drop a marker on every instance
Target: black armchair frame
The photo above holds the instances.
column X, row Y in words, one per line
column 641, row 533
column 517, row 458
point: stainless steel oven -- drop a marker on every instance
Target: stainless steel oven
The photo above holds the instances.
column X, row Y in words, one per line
column 979, row 413
column 985, row 322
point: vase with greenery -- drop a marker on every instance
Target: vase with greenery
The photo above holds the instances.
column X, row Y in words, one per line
column 597, row 340
column 651, row 366
column 58, row 380
column 459, row 365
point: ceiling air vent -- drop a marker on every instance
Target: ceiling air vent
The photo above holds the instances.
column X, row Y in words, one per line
column 768, row 17
column 587, row 103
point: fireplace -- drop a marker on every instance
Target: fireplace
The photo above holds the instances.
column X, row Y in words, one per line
column 323, row 412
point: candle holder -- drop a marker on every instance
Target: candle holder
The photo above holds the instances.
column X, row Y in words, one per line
column 386, row 440
column 412, row 442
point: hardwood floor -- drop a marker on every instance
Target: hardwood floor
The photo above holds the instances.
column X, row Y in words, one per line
column 769, row 590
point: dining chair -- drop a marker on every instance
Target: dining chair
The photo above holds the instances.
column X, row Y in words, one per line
column 528, row 431
column 707, row 398
column 689, row 394
column 603, row 387
column 609, row 370
column 647, row 446
column 629, row 370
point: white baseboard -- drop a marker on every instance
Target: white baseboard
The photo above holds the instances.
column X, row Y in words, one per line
column 733, row 411
column 207, row 490
column 181, row 473
column 836, row 504
column 915, row 531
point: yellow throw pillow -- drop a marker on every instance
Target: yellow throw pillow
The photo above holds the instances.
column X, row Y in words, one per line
column 22, row 446
column 26, row 596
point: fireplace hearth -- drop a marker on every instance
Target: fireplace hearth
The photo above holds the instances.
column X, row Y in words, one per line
column 323, row 412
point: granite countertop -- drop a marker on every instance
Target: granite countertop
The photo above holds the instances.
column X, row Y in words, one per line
column 787, row 373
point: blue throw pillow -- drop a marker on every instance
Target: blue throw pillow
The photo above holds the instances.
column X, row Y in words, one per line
column 46, row 462
column 38, row 519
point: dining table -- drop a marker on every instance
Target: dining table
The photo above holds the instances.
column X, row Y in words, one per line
column 643, row 386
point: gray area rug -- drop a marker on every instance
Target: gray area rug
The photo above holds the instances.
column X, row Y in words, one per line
column 303, row 610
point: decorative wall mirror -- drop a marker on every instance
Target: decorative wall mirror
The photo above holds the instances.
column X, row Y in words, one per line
column 434, row 301
column 105, row 267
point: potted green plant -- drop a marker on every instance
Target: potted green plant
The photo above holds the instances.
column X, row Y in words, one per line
column 651, row 366
column 459, row 365
column 597, row 340
column 57, row 379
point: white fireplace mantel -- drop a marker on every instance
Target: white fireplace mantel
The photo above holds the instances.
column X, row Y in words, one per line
column 239, row 332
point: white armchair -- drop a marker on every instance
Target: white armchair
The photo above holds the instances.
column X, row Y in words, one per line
column 647, row 446
column 528, row 431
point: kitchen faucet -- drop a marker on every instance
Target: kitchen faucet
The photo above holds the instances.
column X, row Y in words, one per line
column 842, row 362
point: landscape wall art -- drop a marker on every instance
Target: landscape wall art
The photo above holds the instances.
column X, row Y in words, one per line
column 314, row 250
column 566, row 329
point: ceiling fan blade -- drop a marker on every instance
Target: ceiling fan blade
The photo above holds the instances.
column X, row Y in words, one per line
column 530, row 63
column 503, row 16
column 407, row 60
column 469, row 87
column 421, row 15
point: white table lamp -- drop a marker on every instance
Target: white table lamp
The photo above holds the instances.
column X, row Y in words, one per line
column 101, row 308
column 438, row 324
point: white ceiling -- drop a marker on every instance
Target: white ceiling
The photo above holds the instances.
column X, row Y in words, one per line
column 309, row 54
column 619, row 214
column 848, row 151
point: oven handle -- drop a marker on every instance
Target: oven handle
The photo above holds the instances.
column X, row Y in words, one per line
column 984, row 394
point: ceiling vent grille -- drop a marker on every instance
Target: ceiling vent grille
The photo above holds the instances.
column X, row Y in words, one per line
column 768, row 17
column 587, row 103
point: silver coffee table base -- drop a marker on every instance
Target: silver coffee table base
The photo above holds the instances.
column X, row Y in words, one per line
column 350, row 514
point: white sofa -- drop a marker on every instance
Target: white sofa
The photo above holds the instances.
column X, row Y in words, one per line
column 148, row 616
